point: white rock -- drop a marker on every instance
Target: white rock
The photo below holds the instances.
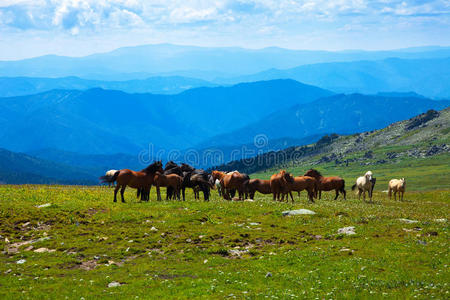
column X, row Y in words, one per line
column 440, row 220
column 42, row 250
column 43, row 205
column 408, row 221
column 298, row 212
column 21, row 261
column 153, row 228
column 350, row 230
column 114, row 284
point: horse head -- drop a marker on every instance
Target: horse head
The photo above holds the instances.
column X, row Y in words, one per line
column 154, row 167
column 186, row 168
column 313, row 173
column 287, row 176
column 368, row 175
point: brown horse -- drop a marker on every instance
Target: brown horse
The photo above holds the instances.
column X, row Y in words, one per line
column 257, row 185
column 305, row 183
column 231, row 181
column 280, row 185
column 141, row 180
column 328, row 183
column 172, row 181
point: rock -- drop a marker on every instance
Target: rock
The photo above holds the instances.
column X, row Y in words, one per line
column 268, row 275
column 254, row 224
column 42, row 250
column 350, row 230
column 21, row 261
column 440, row 220
column 114, row 284
column 408, row 221
column 8, row 271
column 421, row 242
column 153, row 228
column 249, row 200
column 298, row 212
column 43, row 205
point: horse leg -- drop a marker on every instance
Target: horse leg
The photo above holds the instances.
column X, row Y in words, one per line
column 158, row 193
column 292, row 198
column 122, row 190
column 115, row 193
column 337, row 194
column 320, row 194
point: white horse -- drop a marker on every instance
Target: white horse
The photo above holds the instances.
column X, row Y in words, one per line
column 109, row 177
column 397, row 185
column 364, row 183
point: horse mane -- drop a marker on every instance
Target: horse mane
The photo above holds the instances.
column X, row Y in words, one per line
column 170, row 164
column 313, row 173
column 155, row 166
column 187, row 168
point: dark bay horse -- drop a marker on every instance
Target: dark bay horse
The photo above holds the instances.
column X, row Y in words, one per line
column 328, row 183
column 141, row 180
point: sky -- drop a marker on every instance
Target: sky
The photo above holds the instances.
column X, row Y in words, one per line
column 30, row 28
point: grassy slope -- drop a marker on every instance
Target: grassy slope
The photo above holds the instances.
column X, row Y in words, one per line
column 421, row 173
column 190, row 254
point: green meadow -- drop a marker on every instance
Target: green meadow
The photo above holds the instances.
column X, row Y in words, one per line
column 83, row 242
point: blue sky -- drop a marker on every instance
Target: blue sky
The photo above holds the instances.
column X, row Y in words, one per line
column 78, row 27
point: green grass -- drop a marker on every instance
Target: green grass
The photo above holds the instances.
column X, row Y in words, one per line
column 193, row 252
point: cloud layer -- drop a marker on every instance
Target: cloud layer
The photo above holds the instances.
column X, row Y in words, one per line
column 75, row 16
column 326, row 24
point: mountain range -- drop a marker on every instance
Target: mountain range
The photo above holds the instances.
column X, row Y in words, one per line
column 429, row 77
column 199, row 62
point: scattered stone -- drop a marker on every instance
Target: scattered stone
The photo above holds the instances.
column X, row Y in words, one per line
column 254, row 224
column 421, row 242
column 350, row 230
column 249, row 200
column 43, row 205
column 317, row 237
column 268, row 275
column 25, row 224
column 408, row 221
column 411, row 230
column 205, row 261
column 114, row 284
column 29, row 248
column 8, row 271
column 88, row 265
column 153, row 228
column 440, row 220
column 42, row 250
column 21, row 261
column 298, row 212
column 341, row 213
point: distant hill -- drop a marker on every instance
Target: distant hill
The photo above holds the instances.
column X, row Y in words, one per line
column 101, row 121
column 423, row 136
column 201, row 62
column 19, row 168
column 429, row 77
column 19, row 86
column 342, row 114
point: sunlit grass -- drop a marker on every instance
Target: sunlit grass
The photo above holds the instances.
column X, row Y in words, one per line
column 221, row 249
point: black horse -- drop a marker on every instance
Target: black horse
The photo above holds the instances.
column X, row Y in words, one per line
column 196, row 178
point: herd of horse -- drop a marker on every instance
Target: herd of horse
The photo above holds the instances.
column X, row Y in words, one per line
column 176, row 178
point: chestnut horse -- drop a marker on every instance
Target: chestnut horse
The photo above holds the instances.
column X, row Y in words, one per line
column 257, row 185
column 172, row 181
column 231, row 181
column 280, row 185
column 307, row 183
column 328, row 183
column 141, row 180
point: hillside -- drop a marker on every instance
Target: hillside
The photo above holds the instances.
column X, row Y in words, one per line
column 342, row 114
column 428, row 77
column 20, row 168
column 417, row 147
column 100, row 121
column 19, row 86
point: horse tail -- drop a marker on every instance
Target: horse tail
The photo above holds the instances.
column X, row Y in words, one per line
column 109, row 178
column 353, row 187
